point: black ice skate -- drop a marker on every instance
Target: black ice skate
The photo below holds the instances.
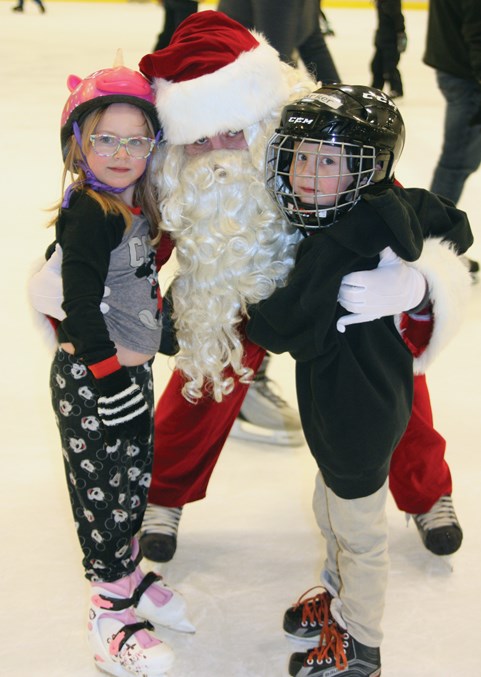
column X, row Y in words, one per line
column 439, row 527
column 304, row 619
column 337, row 654
column 158, row 534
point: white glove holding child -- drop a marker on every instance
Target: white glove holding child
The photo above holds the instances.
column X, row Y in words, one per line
column 45, row 288
column 391, row 288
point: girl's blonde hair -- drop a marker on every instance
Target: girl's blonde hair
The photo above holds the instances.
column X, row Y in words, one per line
column 145, row 193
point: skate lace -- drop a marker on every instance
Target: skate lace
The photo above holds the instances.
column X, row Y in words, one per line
column 441, row 515
column 265, row 386
column 314, row 608
column 333, row 642
column 160, row 519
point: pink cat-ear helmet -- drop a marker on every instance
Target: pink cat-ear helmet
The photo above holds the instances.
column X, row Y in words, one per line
column 118, row 84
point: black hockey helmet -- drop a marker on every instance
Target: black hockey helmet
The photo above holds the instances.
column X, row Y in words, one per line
column 361, row 125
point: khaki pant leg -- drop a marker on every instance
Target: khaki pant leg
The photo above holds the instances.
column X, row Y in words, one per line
column 359, row 528
column 330, row 573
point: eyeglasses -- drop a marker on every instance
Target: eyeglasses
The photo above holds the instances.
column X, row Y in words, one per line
column 107, row 145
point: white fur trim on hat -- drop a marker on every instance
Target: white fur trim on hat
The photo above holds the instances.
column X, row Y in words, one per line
column 449, row 284
column 229, row 99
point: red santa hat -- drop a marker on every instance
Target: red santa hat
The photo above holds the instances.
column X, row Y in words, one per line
column 215, row 76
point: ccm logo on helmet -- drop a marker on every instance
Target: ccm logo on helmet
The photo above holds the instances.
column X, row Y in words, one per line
column 300, row 121
column 379, row 97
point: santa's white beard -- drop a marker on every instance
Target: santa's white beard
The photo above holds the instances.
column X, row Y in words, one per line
column 233, row 248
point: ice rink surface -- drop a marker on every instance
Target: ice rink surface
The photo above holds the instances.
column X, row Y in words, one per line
column 252, row 547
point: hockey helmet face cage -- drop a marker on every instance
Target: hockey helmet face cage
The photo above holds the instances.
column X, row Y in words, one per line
column 314, row 181
column 330, row 146
column 102, row 88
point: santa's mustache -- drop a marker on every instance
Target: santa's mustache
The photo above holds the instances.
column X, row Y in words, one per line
column 219, row 167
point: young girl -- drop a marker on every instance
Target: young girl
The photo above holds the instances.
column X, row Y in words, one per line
column 331, row 172
column 101, row 379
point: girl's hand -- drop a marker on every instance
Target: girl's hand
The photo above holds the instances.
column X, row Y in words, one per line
column 122, row 407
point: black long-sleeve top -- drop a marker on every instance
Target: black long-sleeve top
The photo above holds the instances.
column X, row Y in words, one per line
column 98, row 251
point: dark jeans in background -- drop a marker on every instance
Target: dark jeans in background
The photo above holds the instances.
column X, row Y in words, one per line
column 461, row 151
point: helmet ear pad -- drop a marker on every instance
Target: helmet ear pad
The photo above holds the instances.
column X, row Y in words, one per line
column 382, row 171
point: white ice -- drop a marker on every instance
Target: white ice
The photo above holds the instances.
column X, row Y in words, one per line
column 252, row 547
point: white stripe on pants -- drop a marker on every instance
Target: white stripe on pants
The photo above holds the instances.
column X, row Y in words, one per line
column 357, row 562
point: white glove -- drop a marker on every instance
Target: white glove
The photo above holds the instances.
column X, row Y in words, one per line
column 45, row 288
column 391, row 288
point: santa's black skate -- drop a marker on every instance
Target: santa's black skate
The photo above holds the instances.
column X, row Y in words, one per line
column 439, row 528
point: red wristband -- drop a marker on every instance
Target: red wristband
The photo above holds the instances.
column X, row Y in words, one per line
column 105, row 367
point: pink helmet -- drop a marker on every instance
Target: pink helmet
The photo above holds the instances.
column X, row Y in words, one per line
column 111, row 85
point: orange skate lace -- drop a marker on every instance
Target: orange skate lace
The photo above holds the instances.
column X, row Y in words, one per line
column 313, row 608
column 333, row 641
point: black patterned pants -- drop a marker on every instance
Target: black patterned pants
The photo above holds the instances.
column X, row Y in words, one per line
column 108, row 485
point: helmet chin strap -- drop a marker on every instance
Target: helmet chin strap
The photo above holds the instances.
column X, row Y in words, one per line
column 90, row 179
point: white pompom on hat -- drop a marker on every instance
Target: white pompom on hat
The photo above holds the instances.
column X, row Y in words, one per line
column 215, row 76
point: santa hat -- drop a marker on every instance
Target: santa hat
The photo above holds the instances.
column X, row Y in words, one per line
column 215, row 76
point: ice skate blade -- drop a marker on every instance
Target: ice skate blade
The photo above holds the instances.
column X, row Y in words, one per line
column 183, row 626
column 118, row 671
column 303, row 643
column 242, row 430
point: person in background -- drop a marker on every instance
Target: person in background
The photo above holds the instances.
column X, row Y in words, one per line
column 390, row 41
column 175, row 11
column 101, row 376
column 453, row 49
column 19, row 6
column 326, row 27
column 331, row 170
column 292, row 28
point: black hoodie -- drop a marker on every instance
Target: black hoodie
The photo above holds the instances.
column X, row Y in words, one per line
column 354, row 389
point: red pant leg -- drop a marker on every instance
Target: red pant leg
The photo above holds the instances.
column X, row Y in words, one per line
column 419, row 474
column 189, row 437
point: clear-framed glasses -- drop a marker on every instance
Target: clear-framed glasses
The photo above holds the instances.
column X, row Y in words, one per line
column 106, row 145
